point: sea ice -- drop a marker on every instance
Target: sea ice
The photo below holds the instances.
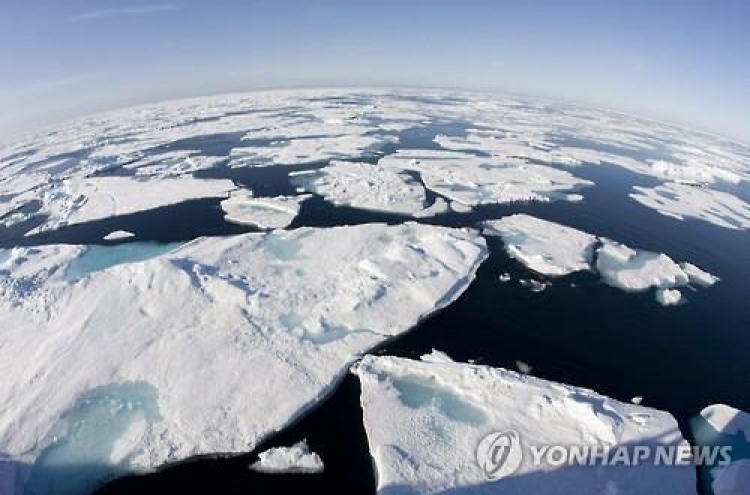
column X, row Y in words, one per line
column 83, row 200
column 552, row 249
column 720, row 425
column 118, row 235
column 365, row 186
column 425, row 420
column 472, row 180
column 295, row 459
column 681, row 201
column 668, row 297
column 96, row 258
column 265, row 213
column 233, row 338
column 544, row 247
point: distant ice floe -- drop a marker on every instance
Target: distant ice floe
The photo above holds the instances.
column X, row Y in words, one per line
column 724, row 426
column 115, row 360
column 471, row 180
column 365, row 186
column 554, row 250
column 83, row 200
column 425, row 420
column 265, row 213
column 295, row 459
column 683, row 201
column 306, row 150
column 487, row 148
column 118, row 235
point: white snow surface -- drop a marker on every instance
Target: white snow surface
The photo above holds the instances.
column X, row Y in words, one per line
column 371, row 187
column 424, row 421
column 635, row 270
column 471, row 180
column 295, row 459
column 264, row 326
column 544, row 247
column 265, row 213
column 728, row 420
column 77, row 201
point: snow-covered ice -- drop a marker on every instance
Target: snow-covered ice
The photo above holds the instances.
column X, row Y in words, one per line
column 424, row 421
column 118, row 235
column 471, row 180
column 83, row 200
column 722, row 425
column 668, row 297
column 295, row 459
column 264, row 326
column 544, row 247
column 636, row 270
column 552, row 249
column 366, row 186
column 265, row 213
column 686, row 201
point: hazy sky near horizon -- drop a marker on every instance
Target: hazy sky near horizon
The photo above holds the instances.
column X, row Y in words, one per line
column 684, row 61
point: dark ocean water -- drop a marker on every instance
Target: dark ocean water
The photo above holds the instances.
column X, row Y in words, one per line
column 578, row 331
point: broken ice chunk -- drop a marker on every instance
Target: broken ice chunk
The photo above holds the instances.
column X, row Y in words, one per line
column 295, row 459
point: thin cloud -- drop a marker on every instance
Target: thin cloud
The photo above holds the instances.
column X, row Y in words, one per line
column 137, row 10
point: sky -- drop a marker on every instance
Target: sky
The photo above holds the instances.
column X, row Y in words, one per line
column 682, row 61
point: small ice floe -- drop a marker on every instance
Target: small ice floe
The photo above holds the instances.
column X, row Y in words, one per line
column 265, row 213
column 118, row 235
column 545, row 247
column 556, row 250
column 668, row 297
column 295, row 459
column 505, row 277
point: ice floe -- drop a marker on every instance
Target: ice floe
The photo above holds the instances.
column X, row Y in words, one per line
column 686, row 201
column 668, row 297
column 207, row 348
column 425, row 421
column 118, row 235
column 472, row 180
column 362, row 185
column 295, row 459
column 544, row 247
column 83, row 200
column 265, row 213
column 724, row 426
column 554, row 250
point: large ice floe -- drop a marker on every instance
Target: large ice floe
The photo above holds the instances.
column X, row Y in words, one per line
column 427, row 421
column 204, row 349
column 553, row 250
column 724, row 426
column 77, row 201
column 265, row 213
column 472, row 180
column 366, row 186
